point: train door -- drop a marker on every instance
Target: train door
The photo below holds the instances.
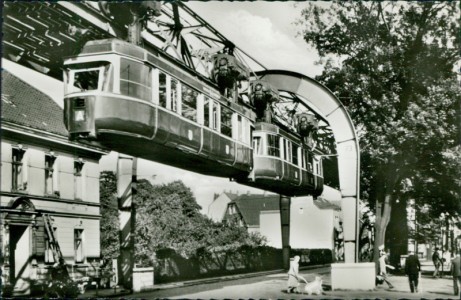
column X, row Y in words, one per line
column 20, row 257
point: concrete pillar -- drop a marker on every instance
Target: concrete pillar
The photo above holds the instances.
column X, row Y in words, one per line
column 285, row 223
column 350, row 224
column 126, row 176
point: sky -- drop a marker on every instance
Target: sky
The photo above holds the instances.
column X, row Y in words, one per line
column 263, row 29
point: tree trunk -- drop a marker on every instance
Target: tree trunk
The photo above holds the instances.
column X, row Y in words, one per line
column 383, row 215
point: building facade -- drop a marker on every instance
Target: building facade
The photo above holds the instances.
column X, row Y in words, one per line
column 314, row 224
column 49, row 192
column 218, row 206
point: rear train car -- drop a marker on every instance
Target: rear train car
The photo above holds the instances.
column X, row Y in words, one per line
column 283, row 163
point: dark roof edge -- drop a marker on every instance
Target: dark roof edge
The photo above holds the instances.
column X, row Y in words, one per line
column 60, row 139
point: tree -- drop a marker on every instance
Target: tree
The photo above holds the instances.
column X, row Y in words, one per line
column 168, row 216
column 391, row 64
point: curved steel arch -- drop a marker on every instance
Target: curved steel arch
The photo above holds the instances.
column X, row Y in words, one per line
column 321, row 100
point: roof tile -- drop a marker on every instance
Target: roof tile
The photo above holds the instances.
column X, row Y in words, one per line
column 250, row 205
column 24, row 105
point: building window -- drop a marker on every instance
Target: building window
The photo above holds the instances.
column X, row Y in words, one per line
column 78, row 179
column 78, row 245
column 19, row 168
column 51, row 175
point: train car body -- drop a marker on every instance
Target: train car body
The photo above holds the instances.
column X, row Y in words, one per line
column 283, row 163
column 137, row 102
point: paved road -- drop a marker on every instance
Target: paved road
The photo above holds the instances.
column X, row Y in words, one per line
column 274, row 287
column 260, row 287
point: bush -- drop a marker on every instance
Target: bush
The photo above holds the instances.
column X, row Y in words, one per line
column 7, row 291
column 62, row 289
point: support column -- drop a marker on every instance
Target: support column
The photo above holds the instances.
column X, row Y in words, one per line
column 126, row 178
column 350, row 218
column 285, row 223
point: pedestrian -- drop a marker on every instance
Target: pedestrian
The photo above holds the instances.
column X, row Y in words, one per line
column 293, row 276
column 437, row 261
column 456, row 272
column 383, row 264
column 412, row 269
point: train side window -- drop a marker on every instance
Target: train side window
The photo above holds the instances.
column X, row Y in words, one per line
column 240, row 132
column 303, row 158
column 215, row 115
column 189, row 103
column 163, row 89
column 273, row 145
column 226, row 121
column 294, row 154
column 287, row 150
column 175, row 94
column 206, row 112
column 156, row 86
column 309, row 161
column 135, row 79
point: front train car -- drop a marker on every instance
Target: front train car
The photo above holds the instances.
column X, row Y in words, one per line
column 137, row 102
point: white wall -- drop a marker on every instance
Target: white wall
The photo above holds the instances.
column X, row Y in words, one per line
column 218, row 207
column 310, row 227
column 269, row 226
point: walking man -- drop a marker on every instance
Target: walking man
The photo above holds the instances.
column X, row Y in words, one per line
column 456, row 272
column 382, row 267
column 437, row 261
column 412, row 269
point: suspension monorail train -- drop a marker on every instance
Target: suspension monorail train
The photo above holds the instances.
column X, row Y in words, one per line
column 139, row 102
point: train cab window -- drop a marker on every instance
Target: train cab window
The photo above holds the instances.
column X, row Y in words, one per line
column 257, row 145
column 135, row 79
column 86, row 80
column 189, row 103
column 273, row 145
column 226, row 121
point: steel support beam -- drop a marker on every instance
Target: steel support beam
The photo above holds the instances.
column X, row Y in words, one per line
column 285, row 203
column 126, row 178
